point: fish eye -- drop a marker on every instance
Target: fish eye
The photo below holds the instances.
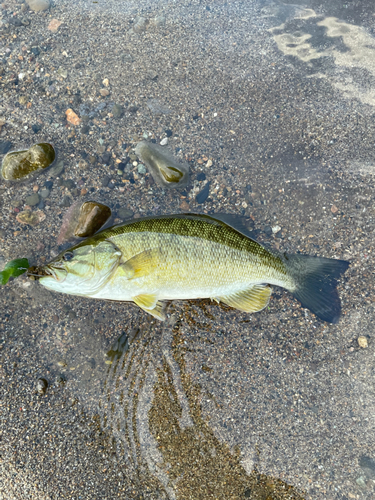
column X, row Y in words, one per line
column 68, row 256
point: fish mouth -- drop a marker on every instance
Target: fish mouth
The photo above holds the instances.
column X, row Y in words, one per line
column 48, row 271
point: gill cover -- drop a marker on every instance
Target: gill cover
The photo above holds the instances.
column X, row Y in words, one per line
column 82, row 270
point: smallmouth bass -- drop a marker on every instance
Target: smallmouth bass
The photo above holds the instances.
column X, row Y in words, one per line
column 188, row 256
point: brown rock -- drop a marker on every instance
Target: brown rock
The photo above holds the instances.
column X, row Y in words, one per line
column 72, row 117
column 334, row 209
column 92, row 217
column 104, row 92
column 31, row 218
column 54, row 25
column 184, row 205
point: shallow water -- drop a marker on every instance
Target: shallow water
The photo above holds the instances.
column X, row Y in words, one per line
column 213, row 403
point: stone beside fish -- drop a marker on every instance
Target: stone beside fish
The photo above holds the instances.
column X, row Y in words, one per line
column 19, row 165
column 164, row 168
column 189, row 257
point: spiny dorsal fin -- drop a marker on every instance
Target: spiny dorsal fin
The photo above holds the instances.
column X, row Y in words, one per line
column 149, row 303
column 253, row 299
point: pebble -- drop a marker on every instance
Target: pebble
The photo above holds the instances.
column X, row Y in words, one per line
column 124, row 213
column 41, row 385
column 32, row 200
column 104, row 92
column 62, row 363
column 209, row 164
column 140, row 25
column 57, row 169
column 184, row 205
column 362, row 342
column 5, row 147
column 54, row 25
column 117, row 111
column 203, row 195
column 66, row 201
column 164, row 168
column 164, row 141
column 17, row 165
column 38, row 5
column 105, row 181
column 31, row 218
column 276, row 229
column 141, row 169
column 334, row 209
column 16, row 203
column 158, row 21
column 92, row 217
column 72, row 117
column 201, row 176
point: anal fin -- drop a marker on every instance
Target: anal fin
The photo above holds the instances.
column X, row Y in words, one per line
column 253, row 299
column 150, row 304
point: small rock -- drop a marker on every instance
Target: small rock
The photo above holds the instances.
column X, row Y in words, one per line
column 141, row 169
column 203, row 195
column 164, row 141
column 140, row 25
column 268, row 230
column 158, row 21
column 92, row 217
column 124, row 213
column 276, row 229
column 66, row 201
column 16, row 203
column 184, row 206
column 32, row 200
column 62, row 363
column 117, row 111
column 72, row 117
column 209, row 164
column 57, row 169
column 201, row 176
column 168, row 132
column 105, row 181
column 36, row 128
column 156, row 107
column 334, row 209
column 105, row 82
column 164, row 168
column 38, row 5
column 69, row 184
column 5, row 147
column 54, row 25
column 31, row 218
column 41, row 385
column 362, row 342
column 85, row 129
column 106, row 157
column 62, row 72
column 104, row 92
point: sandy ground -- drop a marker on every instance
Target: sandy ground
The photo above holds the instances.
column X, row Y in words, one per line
column 272, row 104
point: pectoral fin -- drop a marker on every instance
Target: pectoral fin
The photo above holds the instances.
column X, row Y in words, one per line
column 150, row 304
column 141, row 264
column 253, row 299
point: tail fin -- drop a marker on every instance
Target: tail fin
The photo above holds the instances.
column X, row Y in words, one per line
column 316, row 281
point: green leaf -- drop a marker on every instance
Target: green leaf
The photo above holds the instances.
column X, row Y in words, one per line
column 14, row 268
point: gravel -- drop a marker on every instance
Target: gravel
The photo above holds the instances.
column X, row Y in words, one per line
column 212, row 403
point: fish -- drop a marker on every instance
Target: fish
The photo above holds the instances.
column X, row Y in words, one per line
column 191, row 256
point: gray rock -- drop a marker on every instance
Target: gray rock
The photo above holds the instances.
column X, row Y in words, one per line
column 124, row 213
column 38, row 5
column 140, row 25
column 117, row 111
column 45, row 193
column 141, row 169
column 5, row 147
column 32, row 200
column 57, row 169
